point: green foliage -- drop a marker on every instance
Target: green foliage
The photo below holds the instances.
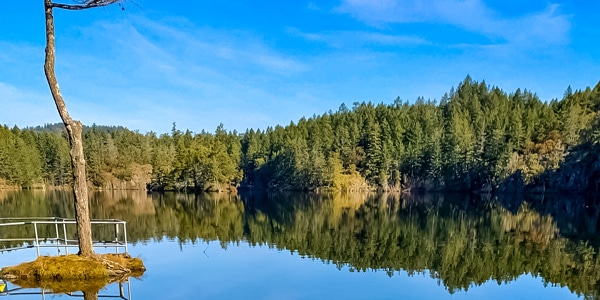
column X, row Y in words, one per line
column 179, row 161
column 20, row 162
column 476, row 135
column 54, row 153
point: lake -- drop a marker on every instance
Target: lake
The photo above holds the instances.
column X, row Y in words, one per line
column 338, row 246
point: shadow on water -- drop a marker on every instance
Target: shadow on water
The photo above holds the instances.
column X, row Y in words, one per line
column 461, row 240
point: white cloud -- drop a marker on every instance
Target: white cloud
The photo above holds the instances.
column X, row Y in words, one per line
column 547, row 26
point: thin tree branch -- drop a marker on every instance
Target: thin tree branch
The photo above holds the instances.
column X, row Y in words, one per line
column 72, row 7
column 84, row 4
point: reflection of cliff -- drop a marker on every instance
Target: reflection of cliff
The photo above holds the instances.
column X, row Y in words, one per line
column 528, row 225
column 577, row 217
column 119, row 204
column 5, row 193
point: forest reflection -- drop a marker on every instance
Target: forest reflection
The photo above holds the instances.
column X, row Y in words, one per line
column 461, row 240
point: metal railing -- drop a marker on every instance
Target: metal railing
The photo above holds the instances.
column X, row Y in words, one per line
column 59, row 237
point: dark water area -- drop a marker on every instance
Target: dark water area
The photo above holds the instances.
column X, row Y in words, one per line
column 355, row 246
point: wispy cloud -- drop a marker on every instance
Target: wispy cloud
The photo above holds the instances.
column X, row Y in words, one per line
column 143, row 71
column 312, row 6
column 548, row 26
column 341, row 39
column 233, row 46
column 26, row 108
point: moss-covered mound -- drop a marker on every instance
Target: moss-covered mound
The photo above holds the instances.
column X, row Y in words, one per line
column 108, row 267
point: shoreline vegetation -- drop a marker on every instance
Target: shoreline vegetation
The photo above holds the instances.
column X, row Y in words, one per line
column 477, row 138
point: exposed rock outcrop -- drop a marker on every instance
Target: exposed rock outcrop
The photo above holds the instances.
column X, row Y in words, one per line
column 141, row 176
column 5, row 185
column 579, row 173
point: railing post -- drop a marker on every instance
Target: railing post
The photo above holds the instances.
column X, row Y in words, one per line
column 37, row 242
column 65, row 235
column 117, row 237
column 129, row 288
column 121, row 294
column 125, row 235
column 57, row 234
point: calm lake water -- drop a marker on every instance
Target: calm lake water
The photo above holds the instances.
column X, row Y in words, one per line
column 357, row 246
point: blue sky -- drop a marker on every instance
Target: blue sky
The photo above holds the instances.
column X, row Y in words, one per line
column 253, row 64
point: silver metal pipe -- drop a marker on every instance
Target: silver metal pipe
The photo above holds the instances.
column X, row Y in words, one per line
column 37, row 242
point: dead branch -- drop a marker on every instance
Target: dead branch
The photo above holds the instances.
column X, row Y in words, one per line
column 84, row 4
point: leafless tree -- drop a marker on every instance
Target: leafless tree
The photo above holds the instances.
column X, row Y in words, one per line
column 73, row 127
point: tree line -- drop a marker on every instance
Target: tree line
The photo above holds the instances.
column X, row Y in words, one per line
column 180, row 160
column 475, row 136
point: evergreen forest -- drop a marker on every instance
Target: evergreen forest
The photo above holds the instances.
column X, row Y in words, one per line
column 477, row 137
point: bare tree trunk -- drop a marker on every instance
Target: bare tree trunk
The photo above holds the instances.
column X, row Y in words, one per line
column 74, row 129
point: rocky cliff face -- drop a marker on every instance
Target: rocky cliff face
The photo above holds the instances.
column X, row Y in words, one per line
column 5, row 185
column 513, row 184
column 580, row 172
column 141, row 175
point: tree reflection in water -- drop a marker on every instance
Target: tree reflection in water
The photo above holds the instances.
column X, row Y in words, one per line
column 461, row 240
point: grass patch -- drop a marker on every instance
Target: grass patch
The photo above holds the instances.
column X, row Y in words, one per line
column 72, row 272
